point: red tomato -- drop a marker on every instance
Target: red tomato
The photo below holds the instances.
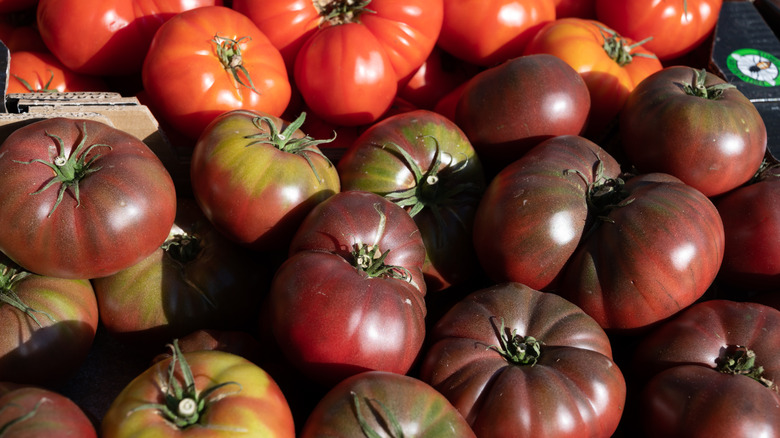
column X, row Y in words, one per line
column 375, row 402
column 508, row 109
column 223, row 63
column 575, row 8
column 18, row 31
column 611, row 65
column 439, row 74
column 257, row 176
column 33, row 412
column 518, row 362
column 692, row 124
column 676, row 26
column 711, row 371
column 423, row 162
column 751, row 221
column 202, row 393
column 630, row 251
column 31, row 72
column 48, row 326
column 82, row 199
column 490, row 32
column 103, row 37
column 350, row 297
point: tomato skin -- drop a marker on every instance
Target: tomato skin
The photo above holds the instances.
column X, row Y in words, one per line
column 127, row 204
column 43, row 72
column 712, row 144
column 439, row 74
column 106, row 37
column 258, row 408
column 254, row 193
column 50, row 353
column 751, row 220
column 551, row 238
column 447, row 206
column 575, row 8
column 677, row 27
column 573, row 389
column 55, row 414
column 508, row 109
column 418, row 408
column 580, row 43
column 677, row 366
column 488, row 33
column 174, row 292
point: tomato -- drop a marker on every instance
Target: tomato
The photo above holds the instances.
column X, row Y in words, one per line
column 350, row 297
column 82, row 199
column 575, row 8
column 223, row 63
column 197, row 279
column 712, row 370
column 18, row 31
column 676, row 26
column 238, row 342
column 33, row 412
column 423, row 162
column 508, row 109
column 439, row 74
column 378, row 401
column 102, row 37
column 692, row 124
column 48, row 326
column 256, row 177
column 610, row 64
column 519, row 362
column 490, row 32
column 41, row 72
column 629, row 250
column 202, row 393
column 751, row 221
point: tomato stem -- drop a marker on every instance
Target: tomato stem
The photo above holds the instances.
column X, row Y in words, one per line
column 516, row 349
column 341, row 11
column 9, row 277
column 368, row 431
column 698, row 88
column 616, row 47
column 46, row 88
column 604, row 194
column 229, row 54
column 740, row 360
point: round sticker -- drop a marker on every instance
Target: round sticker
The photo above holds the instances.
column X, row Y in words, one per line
column 755, row 66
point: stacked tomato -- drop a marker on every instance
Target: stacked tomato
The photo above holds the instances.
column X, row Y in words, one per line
column 498, row 218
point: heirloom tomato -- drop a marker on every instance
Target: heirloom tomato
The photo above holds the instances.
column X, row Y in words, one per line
column 519, row 362
column 751, row 221
column 197, row 279
column 676, row 26
column 81, row 199
column 692, row 124
column 628, row 250
column 256, row 176
column 31, row 72
column 350, row 297
column 423, row 162
column 711, row 371
column 203, row 393
column 610, row 64
column 490, row 32
column 48, row 325
column 394, row 404
column 222, row 62
column 106, row 38
column 507, row 109
column 34, row 412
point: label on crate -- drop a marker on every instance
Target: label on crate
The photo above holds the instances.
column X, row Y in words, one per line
column 755, row 67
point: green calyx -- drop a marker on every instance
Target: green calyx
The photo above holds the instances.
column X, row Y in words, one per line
column 516, row 349
column 370, row 259
column 184, row 404
column 46, row 88
column 698, row 88
column 740, row 360
column 618, row 49
column 286, row 141
column 229, row 54
column 69, row 170
column 341, row 11
column 391, row 424
column 24, row 417
column 603, row 194
column 9, row 278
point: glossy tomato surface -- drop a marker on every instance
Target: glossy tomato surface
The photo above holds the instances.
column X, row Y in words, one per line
column 682, row 121
column 629, row 251
column 424, row 163
column 518, row 362
column 108, row 205
column 383, row 402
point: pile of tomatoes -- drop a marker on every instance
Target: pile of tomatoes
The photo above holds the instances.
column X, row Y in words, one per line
column 440, row 218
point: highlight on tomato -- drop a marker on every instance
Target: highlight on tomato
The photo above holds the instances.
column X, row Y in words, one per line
column 42, row 72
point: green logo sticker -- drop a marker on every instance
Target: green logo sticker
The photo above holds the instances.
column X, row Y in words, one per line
column 755, row 67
